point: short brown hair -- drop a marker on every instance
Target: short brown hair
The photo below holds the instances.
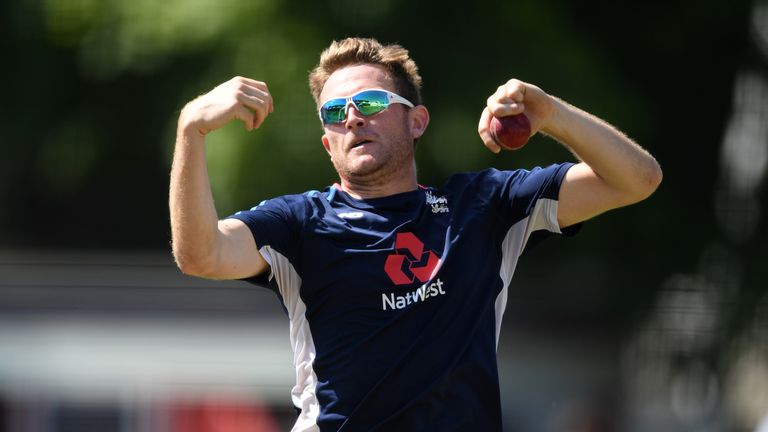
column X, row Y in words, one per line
column 352, row 51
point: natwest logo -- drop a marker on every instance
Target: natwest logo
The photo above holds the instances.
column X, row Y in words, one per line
column 410, row 261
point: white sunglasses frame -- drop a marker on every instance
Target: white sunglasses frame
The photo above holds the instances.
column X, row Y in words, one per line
column 392, row 98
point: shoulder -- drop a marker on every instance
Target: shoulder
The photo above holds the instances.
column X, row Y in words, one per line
column 495, row 176
column 487, row 179
column 291, row 211
column 291, row 203
column 488, row 175
column 506, row 186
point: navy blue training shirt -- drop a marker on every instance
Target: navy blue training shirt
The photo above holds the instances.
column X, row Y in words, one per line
column 395, row 303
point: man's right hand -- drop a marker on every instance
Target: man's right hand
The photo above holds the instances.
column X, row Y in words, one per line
column 240, row 98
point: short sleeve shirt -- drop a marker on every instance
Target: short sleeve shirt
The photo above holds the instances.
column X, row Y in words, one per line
column 395, row 303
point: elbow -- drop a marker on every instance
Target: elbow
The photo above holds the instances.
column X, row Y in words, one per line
column 192, row 264
column 658, row 176
column 649, row 180
column 653, row 179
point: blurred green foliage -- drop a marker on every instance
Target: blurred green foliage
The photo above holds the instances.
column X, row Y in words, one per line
column 94, row 87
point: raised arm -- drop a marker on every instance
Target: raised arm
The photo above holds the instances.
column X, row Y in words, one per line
column 202, row 245
column 614, row 171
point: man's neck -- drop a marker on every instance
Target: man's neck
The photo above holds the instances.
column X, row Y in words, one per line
column 381, row 183
column 368, row 191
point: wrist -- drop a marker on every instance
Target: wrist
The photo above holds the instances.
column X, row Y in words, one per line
column 188, row 125
column 556, row 125
column 562, row 121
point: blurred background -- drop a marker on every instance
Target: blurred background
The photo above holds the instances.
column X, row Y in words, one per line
column 656, row 318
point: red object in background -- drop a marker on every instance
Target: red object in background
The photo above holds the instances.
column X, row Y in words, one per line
column 221, row 415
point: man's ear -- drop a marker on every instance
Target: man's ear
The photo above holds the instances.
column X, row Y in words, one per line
column 326, row 143
column 419, row 119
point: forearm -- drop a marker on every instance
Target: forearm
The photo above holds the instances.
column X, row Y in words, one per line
column 193, row 214
column 614, row 157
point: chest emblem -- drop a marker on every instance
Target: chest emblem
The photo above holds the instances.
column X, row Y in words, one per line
column 410, row 260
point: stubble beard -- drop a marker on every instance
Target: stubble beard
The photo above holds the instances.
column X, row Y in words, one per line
column 389, row 165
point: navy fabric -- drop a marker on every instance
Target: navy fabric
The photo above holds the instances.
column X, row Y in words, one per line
column 401, row 293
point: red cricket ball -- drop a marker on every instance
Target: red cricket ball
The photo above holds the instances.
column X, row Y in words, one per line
column 511, row 132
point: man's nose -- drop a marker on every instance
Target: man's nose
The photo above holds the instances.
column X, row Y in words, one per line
column 354, row 118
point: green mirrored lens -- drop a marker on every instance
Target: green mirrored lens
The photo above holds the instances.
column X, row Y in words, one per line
column 370, row 102
column 333, row 111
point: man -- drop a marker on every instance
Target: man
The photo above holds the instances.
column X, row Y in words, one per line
column 394, row 291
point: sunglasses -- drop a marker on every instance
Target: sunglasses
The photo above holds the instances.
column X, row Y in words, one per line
column 367, row 102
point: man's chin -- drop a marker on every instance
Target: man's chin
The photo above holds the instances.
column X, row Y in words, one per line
column 363, row 167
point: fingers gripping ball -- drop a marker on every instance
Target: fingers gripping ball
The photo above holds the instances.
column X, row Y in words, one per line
column 511, row 132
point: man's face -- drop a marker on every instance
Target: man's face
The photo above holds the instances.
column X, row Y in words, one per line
column 365, row 149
